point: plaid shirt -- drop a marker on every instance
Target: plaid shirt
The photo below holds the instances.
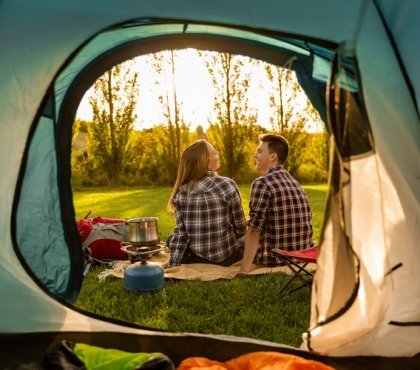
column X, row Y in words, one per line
column 209, row 219
column 279, row 207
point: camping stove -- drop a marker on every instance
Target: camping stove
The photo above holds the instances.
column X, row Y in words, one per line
column 139, row 251
column 141, row 275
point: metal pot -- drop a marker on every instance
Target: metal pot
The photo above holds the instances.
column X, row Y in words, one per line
column 143, row 231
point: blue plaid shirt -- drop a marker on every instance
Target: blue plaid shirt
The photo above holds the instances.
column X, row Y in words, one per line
column 279, row 207
column 209, row 219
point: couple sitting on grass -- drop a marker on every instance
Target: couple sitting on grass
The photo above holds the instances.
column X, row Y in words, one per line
column 210, row 221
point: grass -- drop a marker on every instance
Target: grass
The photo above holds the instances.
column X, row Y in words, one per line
column 247, row 307
column 133, row 202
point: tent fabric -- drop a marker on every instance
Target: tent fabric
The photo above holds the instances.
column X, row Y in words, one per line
column 401, row 21
column 24, row 348
column 365, row 299
column 39, row 214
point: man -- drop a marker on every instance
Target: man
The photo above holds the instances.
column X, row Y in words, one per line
column 279, row 211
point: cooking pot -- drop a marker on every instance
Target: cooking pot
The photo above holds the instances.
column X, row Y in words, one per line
column 143, row 231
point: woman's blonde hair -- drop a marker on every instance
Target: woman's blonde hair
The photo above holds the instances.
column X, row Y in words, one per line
column 192, row 167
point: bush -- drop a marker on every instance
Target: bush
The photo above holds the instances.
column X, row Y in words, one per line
column 309, row 173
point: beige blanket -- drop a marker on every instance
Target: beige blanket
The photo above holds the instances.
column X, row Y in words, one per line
column 194, row 271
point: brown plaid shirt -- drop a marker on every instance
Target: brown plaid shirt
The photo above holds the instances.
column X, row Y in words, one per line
column 279, row 207
column 209, row 219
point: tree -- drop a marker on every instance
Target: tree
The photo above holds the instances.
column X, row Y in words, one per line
column 113, row 104
column 314, row 164
column 79, row 155
column 164, row 63
column 150, row 163
column 292, row 112
column 235, row 120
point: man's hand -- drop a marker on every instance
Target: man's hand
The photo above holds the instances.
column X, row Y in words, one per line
column 245, row 272
column 252, row 237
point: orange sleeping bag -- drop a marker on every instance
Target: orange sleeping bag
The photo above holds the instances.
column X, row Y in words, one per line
column 255, row 361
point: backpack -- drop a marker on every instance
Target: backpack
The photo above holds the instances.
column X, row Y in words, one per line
column 101, row 239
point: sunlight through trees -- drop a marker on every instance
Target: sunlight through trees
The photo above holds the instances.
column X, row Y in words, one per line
column 235, row 94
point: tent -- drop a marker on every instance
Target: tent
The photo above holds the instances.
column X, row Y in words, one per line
column 357, row 61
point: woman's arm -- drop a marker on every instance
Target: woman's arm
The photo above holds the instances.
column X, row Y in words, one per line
column 178, row 243
column 238, row 215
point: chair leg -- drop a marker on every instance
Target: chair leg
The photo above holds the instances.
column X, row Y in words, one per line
column 283, row 288
column 290, row 291
column 297, row 274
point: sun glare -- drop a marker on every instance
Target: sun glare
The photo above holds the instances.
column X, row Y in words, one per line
column 194, row 93
column 194, row 88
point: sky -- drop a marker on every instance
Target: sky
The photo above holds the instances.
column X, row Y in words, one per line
column 194, row 90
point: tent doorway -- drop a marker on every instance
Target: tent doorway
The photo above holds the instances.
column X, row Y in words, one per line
column 312, row 64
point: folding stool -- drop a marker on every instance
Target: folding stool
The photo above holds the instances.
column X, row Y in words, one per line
column 297, row 262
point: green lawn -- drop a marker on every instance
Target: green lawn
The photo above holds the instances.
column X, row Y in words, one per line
column 247, row 307
column 134, row 202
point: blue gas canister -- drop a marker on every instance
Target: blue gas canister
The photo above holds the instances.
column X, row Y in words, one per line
column 143, row 276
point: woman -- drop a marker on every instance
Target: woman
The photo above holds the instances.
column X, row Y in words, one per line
column 208, row 211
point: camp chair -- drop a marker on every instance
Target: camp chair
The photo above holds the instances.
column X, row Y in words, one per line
column 297, row 261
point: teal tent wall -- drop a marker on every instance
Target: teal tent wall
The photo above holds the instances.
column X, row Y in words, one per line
column 380, row 204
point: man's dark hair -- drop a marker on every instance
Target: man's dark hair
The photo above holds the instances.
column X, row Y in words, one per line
column 277, row 144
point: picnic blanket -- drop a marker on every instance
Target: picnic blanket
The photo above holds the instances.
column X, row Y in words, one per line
column 194, row 271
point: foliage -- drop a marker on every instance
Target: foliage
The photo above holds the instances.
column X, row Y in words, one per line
column 113, row 106
column 177, row 130
column 248, row 307
column 282, row 98
column 79, row 160
column 313, row 163
column 82, row 125
column 116, row 154
column 292, row 121
column 152, row 161
column 235, row 120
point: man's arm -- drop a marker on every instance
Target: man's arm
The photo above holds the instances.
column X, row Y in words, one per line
column 252, row 238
